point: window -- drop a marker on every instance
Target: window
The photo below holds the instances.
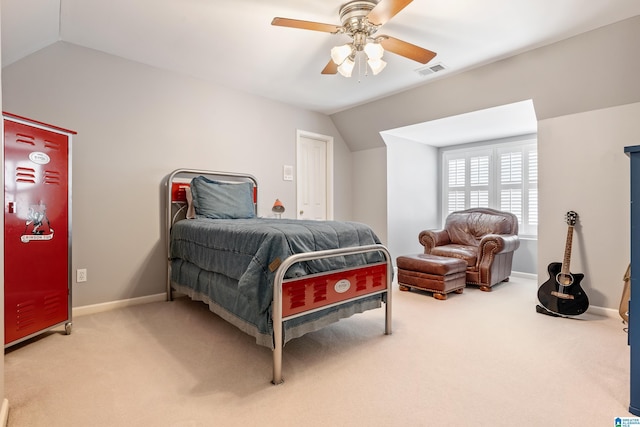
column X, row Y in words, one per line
column 501, row 176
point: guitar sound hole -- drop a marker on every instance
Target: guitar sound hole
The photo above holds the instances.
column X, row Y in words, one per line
column 564, row 279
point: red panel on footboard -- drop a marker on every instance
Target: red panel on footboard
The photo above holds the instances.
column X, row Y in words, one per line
column 310, row 292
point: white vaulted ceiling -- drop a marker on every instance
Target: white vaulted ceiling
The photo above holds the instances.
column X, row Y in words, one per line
column 232, row 42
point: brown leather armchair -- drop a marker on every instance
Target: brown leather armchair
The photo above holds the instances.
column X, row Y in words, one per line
column 484, row 238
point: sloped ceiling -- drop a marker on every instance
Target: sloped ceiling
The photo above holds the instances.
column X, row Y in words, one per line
column 232, row 42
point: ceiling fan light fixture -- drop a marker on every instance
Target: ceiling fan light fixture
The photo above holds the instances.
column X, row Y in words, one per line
column 374, row 51
column 376, row 65
column 361, row 20
column 346, row 67
column 340, row 53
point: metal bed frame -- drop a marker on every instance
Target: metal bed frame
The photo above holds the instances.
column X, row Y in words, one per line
column 280, row 313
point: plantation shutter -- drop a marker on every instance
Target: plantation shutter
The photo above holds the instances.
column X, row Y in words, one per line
column 456, row 185
column 511, row 183
column 500, row 176
column 479, row 182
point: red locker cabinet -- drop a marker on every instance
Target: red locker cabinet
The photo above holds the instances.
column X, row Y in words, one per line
column 37, row 228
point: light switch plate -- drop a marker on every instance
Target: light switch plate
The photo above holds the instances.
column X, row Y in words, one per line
column 287, row 173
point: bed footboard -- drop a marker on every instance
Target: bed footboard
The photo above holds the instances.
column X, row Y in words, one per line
column 295, row 297
column 336, row 288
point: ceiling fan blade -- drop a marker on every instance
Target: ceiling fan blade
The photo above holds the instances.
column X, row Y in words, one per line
column 386, row 10
column 406, row 49
column 331, row 68
column 306, row 25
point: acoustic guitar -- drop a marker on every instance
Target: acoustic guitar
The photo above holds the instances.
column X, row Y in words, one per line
column 562, row 294
column 626, row 296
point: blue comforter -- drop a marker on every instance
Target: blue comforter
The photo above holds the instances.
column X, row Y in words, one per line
column 233, row 261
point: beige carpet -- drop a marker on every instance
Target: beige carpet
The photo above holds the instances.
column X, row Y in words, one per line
column 476, row 359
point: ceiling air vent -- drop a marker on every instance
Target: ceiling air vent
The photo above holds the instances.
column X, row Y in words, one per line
column 430, row 69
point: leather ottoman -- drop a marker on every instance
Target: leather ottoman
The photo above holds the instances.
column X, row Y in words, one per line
column 432, row 273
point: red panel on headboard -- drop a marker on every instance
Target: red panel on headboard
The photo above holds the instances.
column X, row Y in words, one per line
column 178, row 192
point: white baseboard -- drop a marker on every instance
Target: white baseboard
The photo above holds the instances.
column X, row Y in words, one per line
column 98, row 308
column 530, row 276
column 604, row 311
column 4, row 412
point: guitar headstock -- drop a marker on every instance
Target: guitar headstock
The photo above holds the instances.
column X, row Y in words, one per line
column 572, row 218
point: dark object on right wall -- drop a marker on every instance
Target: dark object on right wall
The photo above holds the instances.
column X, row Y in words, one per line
column 634, row 304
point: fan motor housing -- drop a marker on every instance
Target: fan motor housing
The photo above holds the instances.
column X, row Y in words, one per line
column 353, row 16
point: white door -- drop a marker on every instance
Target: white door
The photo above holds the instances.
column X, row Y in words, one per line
column 314, row 176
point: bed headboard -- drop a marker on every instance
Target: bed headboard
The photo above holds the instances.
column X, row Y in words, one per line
column 179, row 180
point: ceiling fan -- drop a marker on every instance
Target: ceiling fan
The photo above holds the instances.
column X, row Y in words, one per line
column 361, row 19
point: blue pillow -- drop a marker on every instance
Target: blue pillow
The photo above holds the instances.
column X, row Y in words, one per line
column 222, row 200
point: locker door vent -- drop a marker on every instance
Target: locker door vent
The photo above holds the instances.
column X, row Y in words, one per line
column 52, row 177
column 25, row 139
column 52, row 144
column 25, row 314
column 27, row 175
column 52, row 305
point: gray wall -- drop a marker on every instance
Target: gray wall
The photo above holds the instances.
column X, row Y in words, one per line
column 585, row 117
column 135, row 125
column 586, row 170
column 369, row 174
column 412, row 202
column 525, row 259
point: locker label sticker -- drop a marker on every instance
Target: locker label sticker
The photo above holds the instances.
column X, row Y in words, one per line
column 39, row 158
column 26, row 238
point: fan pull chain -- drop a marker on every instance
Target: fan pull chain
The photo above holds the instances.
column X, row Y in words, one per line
column 360, row 59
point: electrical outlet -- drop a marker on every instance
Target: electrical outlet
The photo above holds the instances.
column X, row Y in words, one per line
column 81, row 275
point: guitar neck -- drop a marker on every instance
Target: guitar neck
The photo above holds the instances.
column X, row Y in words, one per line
column 567, row 251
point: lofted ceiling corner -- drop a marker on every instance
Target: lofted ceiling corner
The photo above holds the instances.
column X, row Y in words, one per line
column 232, row 42
column 28, row 26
